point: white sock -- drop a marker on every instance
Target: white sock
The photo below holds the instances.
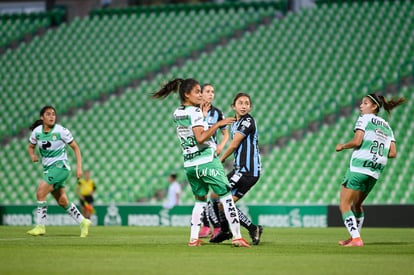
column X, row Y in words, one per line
column 41, row 214
column 73, row 211
column 351, row 224
column 198, row 210
column 232, row 215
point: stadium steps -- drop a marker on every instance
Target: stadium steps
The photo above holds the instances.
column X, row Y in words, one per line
column 310, row 171
column 22, row 27
column 108, row 129
column 85, row 72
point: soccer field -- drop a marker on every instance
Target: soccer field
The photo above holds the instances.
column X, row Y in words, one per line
column 164, row 250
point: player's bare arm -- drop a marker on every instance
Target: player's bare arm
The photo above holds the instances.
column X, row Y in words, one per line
column 202, row 135
column 78, row 156
column 237, row 139
column 32, row 154
column 355, row 142
column 393, row 150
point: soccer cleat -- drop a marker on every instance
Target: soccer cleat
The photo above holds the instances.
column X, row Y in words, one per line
column 345, row 242
column 195, row 242
column 84, row 226
column 37, row 230
column 216, row 231
column 204, row 232
column 221, row 236
column 89, row 207
column 240, row 243
column 255, row 234
column 355, row 242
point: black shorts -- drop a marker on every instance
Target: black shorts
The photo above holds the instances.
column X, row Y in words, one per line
column 88, row 199
column 240, row 184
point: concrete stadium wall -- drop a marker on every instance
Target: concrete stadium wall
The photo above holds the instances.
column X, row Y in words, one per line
column 266, row 215
column 378, row 216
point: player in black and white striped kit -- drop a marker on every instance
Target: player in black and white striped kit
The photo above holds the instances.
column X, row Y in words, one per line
column 247, row 166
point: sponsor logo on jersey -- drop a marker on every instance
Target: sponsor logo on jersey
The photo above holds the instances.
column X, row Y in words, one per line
column 381, row 133
column 376, row 121
column 180, row 117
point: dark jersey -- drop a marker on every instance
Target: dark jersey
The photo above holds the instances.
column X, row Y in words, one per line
column 214, row 115
column 246, row 156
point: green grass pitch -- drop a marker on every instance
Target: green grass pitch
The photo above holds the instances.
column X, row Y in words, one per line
column 164, row 250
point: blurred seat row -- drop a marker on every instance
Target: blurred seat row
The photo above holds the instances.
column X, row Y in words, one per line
column 297, row 70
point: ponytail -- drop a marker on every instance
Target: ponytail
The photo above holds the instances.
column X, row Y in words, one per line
column 35, row 124
column 391, row 104
column 178, row 85
column 171, row 87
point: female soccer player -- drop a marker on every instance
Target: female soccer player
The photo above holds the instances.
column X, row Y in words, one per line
column 212, row 115
column 52, row 139
column 201, row 165
column 373, row 144
column 246, row 172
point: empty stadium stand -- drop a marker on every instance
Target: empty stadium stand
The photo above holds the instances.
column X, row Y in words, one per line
column 299, row 70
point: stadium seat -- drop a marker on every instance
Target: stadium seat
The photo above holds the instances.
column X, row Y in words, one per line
column 297, row 71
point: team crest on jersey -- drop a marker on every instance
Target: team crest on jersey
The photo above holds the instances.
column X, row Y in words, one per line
column 246, row 123
column 54, row 137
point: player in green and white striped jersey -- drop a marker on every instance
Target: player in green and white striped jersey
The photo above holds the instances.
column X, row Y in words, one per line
column 373, row 144
column 201, row 165
column 51, row 139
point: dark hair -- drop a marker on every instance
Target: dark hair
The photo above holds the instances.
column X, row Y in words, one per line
column 388, row 105
column 182, row 86
column 40, row 121
column 205, row 85
column 239, row 95
column 173, row 176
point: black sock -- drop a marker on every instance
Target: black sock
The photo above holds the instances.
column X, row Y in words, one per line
column 245, row 221
column 213, row 218
column 204, row 218
column 224, row 224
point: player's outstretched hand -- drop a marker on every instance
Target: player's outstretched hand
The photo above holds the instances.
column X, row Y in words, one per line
column 227, row 121
column 339, row 147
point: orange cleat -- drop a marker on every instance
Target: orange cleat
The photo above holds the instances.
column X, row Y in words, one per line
column 195, row 242
column 355, row 242
column 240, row 243
column 345, row 242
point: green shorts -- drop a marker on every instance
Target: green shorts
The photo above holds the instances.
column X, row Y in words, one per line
column 359, row 182
column 203, row 176
column 56, row 174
